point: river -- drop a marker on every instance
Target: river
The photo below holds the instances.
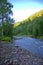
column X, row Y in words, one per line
column 31, row 44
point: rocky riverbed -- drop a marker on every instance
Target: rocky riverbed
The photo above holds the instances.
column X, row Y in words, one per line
column 15, row 55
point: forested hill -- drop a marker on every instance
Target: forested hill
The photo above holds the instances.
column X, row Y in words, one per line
column 32, row 26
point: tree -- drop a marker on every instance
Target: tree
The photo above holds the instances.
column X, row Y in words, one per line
column 5, row 12
column 8, row 29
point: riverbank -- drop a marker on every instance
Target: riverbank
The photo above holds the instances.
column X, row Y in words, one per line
column 15, row 55
column 5, row 39
column 40, row 38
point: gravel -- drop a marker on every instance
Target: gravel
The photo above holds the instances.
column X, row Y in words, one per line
column 15, row 55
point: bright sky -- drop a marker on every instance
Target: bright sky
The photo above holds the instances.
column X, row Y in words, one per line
column 24, row 8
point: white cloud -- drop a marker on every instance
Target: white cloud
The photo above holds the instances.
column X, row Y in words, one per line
column 20, row 15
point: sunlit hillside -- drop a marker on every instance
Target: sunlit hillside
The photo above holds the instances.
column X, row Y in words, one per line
column 16, row 24
column 37, row 14
column 32, row 26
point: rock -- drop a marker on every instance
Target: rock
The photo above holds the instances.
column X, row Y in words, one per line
column 14, row 55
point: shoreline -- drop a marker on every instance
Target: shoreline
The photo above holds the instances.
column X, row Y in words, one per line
column 16, row 55
column 28, row 37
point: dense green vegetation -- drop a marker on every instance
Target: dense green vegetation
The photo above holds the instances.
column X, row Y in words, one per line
column 6, row 27
column 32, row 26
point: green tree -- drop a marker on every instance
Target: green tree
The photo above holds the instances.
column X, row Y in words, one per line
column 5, row 12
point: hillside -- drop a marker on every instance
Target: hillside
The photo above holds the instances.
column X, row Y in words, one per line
column 32, row 26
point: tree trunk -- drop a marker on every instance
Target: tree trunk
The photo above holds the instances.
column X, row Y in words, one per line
column 2, row 27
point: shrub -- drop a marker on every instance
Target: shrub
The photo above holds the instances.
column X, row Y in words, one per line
column 3, row 38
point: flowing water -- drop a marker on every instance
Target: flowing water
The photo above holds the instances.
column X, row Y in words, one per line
column 31, row 44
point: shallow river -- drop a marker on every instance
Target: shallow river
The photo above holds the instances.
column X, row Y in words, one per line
column 33, row 45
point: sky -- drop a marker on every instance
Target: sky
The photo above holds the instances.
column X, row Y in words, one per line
column 22, row 9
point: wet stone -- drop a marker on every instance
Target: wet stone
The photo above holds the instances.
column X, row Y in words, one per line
column 14, row 55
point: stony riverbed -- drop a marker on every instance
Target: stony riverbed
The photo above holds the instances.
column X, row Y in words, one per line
column 15, row 55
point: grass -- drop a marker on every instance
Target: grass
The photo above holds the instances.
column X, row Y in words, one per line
column 4, row 38
column 41, row 37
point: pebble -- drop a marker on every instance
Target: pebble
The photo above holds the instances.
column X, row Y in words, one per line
column 15, row 55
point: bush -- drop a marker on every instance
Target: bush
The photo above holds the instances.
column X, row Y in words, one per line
column 41, row 37
column 3, row 38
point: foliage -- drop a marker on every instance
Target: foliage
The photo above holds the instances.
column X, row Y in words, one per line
column 5, row 12
column 8, row 29
column 3, row 38
column 6, row 26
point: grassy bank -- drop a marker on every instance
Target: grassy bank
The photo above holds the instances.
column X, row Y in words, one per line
column 4, row 38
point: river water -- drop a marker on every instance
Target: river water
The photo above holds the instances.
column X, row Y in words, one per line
column 31, row 44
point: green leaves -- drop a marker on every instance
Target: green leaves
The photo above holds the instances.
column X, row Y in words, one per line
column 5, row 18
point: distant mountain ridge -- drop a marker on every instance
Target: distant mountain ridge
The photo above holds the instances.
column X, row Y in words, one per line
column 37, row 14
column 33, row 25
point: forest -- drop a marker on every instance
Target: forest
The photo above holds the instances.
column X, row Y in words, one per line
column 32, row 26
column 6, row 26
